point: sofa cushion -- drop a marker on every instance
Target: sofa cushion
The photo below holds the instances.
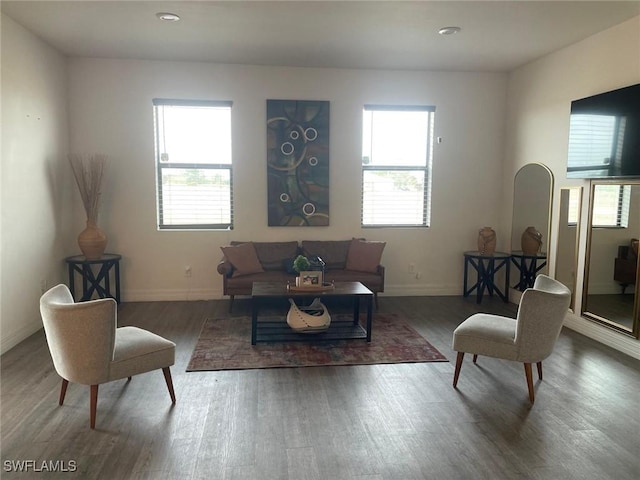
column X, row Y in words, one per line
column 364, row 256
column 244, row 283
column 332, row 252
column 243, row 258
column 273, row 254
column 287, row 264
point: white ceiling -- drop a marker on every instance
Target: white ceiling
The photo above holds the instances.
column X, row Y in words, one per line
column 496, row 35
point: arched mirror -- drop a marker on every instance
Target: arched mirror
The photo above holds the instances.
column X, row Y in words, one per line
column 532, row 192
column 610, row 293
column 568, row 235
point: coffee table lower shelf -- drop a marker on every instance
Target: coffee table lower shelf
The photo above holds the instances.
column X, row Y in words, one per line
column 343, row 329
column 279, row 331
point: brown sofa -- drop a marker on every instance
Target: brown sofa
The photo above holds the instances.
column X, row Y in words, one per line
column 345, row 261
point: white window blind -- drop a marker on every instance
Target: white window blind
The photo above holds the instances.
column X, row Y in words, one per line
column 194, row 167
column 624, row 205
column 592, row 143
column 397, row 149
column 611, row 206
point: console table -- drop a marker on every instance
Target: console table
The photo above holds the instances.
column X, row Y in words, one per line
column 528, row 265
column 486, row 267
column 99, row 283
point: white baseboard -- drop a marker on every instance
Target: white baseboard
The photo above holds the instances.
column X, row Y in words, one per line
column 627, row 345
column 421, row 290
column 11, row 340
column 172, row 295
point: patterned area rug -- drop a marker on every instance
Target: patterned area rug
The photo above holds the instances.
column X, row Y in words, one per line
column 225, row 344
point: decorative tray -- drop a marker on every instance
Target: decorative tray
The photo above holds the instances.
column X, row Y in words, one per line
column 311, row 288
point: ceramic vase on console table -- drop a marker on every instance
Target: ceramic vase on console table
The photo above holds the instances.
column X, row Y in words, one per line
column 92, row 241
column 531, row 241
column 487, row 241
column 88, row 171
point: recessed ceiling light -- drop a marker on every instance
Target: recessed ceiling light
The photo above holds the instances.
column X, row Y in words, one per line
column 449, row 30
column 167, row 17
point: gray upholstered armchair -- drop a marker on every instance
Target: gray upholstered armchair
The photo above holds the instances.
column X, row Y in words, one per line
column 88, row 348
column 530, row 338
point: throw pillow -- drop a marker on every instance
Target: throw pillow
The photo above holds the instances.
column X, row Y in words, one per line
column 244, row 259
column 364, row 256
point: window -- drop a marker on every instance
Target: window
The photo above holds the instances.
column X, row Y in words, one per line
column 611, row 206
column 397, row 149
column 193, row 158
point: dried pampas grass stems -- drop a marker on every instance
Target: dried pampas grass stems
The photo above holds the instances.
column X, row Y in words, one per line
column 88, row 171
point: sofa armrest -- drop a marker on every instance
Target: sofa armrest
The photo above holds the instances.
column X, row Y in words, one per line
column 225, row 268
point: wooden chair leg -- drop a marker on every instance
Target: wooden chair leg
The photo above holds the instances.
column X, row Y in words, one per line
column 93, row 405
column 63, row 390
column 167, row 378
column 529, row 375
column 539, row 364
column 456, row 374
column 475, row 358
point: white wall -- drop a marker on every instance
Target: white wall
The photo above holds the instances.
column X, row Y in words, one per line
column 111, row 112
column 539, row 102
column 35, row 182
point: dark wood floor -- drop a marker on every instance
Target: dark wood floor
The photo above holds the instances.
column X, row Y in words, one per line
column 400, row 421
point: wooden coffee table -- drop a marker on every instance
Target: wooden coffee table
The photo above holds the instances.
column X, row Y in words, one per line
column 279, row 331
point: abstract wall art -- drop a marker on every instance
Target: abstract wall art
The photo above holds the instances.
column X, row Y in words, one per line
column 298, row 162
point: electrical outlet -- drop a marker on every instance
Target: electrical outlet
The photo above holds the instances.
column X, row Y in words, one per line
column 412, row 268
column 187, row 271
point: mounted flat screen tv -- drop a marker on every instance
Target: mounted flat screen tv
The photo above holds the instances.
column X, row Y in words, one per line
column 604, row 135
